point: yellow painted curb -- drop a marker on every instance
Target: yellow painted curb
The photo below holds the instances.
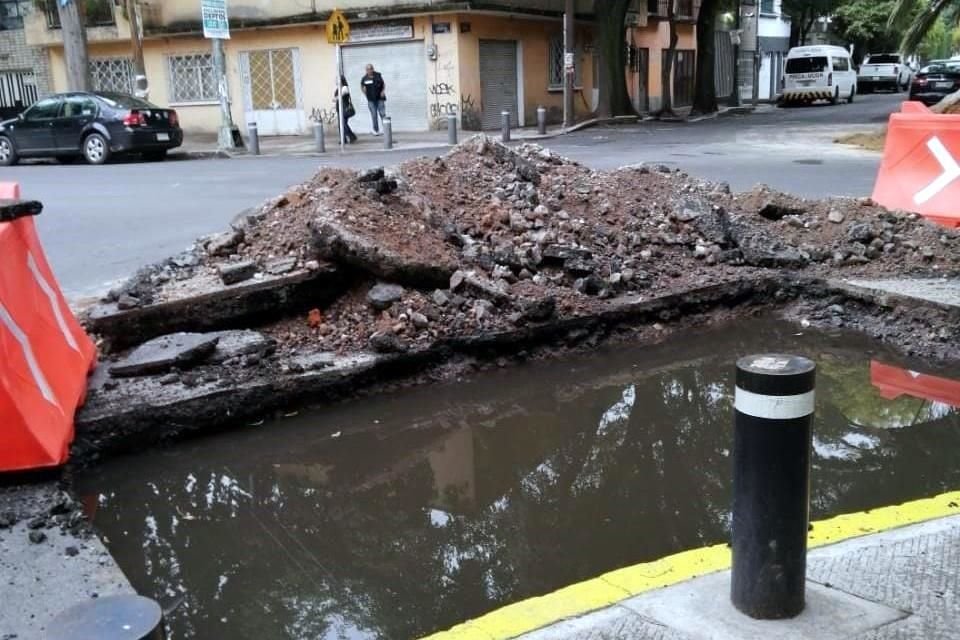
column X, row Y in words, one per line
column 597, row 593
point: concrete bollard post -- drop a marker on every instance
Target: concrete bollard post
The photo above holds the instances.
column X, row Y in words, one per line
column 254, row 135
column 318, row 137
column 505, row 126
column 387, row 133
column 773, row 435
column 541, row 121
column 451, row 130
column 126, row 617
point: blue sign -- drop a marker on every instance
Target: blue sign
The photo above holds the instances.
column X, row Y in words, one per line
column 215, row 23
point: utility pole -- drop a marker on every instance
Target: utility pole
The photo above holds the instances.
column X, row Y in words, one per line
column 226, row 118
column 141, row 85
column 735, row 96
column 73, row 29
column 569, row 62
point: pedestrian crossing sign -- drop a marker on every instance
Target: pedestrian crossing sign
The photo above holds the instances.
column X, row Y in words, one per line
column 338, row 29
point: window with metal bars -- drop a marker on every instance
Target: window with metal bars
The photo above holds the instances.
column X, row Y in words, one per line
column 112, row 74
column 11, row 14
column 768, row 6
column 98, row 13
column 555, row 65
column 192, row 78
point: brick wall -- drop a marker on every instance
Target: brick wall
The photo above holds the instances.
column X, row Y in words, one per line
column 15, row 55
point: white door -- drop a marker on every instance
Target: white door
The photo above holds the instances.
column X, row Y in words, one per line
column 404, row 71
column 272, row 92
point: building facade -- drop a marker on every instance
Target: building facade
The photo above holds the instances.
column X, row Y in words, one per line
column 773, row 44
column 24, row 70
column 437, row 59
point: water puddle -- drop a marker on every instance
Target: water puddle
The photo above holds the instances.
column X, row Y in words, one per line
column 395, row 516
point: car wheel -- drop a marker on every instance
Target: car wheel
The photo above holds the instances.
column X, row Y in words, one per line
column 836, row 96
column 155, row 156
column 96, row 149
column 8, row 154
column 853, row 94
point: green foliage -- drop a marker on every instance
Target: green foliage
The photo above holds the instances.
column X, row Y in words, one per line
column 938, row 42
column 866, row 24
column 920, row 18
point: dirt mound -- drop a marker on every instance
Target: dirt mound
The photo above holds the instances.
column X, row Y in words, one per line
column 489, row 238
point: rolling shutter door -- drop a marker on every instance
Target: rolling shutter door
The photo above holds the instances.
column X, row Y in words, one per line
column 498, row 79
column 403, row 67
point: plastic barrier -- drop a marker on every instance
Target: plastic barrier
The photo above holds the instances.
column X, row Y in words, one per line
column 921, row 165
column 893, row 382
column 45, row 356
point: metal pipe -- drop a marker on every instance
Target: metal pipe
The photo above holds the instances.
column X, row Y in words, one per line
column 541, row 121
column 505, row 126
column 451, row 129
column 773, row 435
column 318, row 138
column 254, row 136
column 388, row 133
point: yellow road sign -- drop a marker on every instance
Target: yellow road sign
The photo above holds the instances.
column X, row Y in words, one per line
column 338, row 29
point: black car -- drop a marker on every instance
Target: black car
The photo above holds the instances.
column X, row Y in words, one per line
column 89, row 125
column 935, row 81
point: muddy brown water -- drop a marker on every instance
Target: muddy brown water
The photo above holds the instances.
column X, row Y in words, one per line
column 394, row 516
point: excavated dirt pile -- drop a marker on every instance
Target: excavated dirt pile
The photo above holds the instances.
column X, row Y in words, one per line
column 488, row 238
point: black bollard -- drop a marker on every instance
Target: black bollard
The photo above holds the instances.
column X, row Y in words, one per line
column 125, row 617
column 773, row 434
column 254, row 135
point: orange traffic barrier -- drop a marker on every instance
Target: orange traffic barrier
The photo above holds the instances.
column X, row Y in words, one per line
column 45, row 356
column 921, row 165
column 893, row 382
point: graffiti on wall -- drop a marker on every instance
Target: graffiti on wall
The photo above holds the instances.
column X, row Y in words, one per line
column 326, row 116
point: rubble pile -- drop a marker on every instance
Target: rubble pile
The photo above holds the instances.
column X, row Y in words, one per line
column 489, row 238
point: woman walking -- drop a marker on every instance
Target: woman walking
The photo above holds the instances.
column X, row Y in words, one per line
column 344, row 104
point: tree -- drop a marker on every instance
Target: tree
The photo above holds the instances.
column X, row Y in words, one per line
column 868, row 26
column 666, row 71
column 614, row 99
column 72, row 26
column 921, row 16
column 705, row 89
column 804, row 15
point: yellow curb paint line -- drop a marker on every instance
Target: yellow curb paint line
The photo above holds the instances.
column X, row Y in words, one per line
column 608, row 589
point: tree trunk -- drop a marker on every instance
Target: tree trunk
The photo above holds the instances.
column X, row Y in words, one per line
column 705, row 89
column 74, row 45
column 666, row 72
column 611, row 18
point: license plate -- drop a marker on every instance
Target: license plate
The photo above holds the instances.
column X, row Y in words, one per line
column 943, row 85
column 163, row 137
column 876, row 78
column 805, row 83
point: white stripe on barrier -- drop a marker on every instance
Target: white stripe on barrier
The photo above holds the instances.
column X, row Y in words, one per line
column 28, row 355
column 951, row 172
column 774, row 407
column 54, row 303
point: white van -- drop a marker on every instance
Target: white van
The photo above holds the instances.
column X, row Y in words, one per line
column 818, row 73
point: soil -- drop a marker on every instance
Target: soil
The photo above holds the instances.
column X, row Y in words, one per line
column 873, row 141
column 489, row 238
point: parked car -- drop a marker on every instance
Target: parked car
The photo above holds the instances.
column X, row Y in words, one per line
column 936, row 81
column 818, row 73
column 884, row 71
column 93, row 126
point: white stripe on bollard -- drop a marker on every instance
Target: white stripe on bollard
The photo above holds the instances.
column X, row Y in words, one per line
column 54, row 303
column 774, row 407
column 7, row 320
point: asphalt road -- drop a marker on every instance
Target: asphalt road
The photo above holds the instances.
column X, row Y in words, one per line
column 101, row 223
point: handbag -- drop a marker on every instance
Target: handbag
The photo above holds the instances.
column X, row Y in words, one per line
column 348, row 110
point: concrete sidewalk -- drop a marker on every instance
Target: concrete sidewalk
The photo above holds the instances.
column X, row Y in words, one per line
column 902, row 584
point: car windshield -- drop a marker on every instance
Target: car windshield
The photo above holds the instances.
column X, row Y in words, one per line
column 124, row 101
column 807, row 65
column 940, row 67
column 887, row 58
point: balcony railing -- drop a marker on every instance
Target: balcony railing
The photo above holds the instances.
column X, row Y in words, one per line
column 686, row 9
column 98, row 13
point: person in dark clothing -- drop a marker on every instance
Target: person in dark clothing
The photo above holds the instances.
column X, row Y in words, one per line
column 375, row 90
column 341, row 97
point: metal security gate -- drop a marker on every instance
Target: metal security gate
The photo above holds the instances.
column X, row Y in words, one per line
column 723, row 65
column 403, row 67
column 640, row 72
column 18, row 90
column 272, row 92
column 684, row 76
column 498, row 82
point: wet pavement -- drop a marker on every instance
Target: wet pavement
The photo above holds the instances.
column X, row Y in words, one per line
column 395, row 516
